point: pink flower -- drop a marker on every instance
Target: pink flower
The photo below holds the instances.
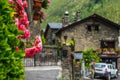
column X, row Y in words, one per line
column 19, row 5
column 38, row 43
column 30, row 52
column 26, row 23
column 43, row 16
column 17, row 22
column 48, row 1
column 37, row 40
column 19, row 2
column 25, row 35
column 21, row 27
column 17, row 49
column 10, row 1
column 38, row 49
column 24, row 20
column 25, row 4
column 40, row 12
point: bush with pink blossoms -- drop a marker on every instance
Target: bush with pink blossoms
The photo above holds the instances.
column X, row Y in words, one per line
column 22, row 23
column 38, row 13
column 21, row 19
column 30, row 52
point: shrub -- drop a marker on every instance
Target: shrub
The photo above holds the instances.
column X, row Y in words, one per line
column 11, row 55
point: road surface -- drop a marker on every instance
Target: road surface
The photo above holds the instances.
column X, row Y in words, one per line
column 42, row 73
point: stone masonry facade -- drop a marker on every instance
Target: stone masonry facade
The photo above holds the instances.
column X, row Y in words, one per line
column 85, row 39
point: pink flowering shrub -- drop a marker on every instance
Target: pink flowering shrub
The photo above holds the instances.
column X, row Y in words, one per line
column 48, row 1
column 30, row 52
column 22, row 23
column 21, row 19
column 39, row 14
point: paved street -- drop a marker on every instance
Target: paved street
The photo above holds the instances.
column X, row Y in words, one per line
column 48, row 73
column 87, row 78
column 42, row 73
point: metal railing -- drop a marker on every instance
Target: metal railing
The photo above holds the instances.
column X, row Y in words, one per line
column 49, row 57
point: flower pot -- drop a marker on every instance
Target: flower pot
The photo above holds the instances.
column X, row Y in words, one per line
column 38, row 3
column 36, row 17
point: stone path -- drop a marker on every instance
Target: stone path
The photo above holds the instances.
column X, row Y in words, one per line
column 42, row 73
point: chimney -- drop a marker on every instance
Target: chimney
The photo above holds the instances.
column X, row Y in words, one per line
column 77, row 15
column 65, row 19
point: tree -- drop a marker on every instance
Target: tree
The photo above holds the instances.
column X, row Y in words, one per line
column 89, row 55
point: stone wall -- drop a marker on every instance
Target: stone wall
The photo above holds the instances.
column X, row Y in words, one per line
column 85, row 39
column 66, row 65
column 49, row 35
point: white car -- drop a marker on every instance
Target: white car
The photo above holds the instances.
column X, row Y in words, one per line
column 105, row 70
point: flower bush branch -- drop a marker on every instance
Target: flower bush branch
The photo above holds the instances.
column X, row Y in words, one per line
column 30, row 52
column 38, row 13
column 20, row 16
column 22, row 23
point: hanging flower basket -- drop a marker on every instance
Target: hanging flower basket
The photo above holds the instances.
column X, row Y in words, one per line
column 38, row 3
column 36, row 16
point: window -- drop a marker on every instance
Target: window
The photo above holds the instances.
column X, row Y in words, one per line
column 89, row 28
column 96, row 27
column 100, row 65
column 92, row 27
column 107, row 44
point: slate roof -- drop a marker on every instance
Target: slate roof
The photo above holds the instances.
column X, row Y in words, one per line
column 55, row 25
column 95, row 17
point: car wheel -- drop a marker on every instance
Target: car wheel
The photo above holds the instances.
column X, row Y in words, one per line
column 108, row 77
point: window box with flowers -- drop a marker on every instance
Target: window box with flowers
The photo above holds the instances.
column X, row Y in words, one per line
column 109, row 51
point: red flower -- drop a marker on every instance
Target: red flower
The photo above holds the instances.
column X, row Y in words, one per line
column 30, row 52
column 17, row 49
column 25, row 4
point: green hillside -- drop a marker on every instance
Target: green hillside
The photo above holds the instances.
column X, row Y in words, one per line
column 109, row 9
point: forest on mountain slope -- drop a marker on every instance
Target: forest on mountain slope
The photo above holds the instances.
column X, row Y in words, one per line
column 109, row 9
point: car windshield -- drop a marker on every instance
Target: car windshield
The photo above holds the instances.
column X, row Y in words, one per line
column 99, row 65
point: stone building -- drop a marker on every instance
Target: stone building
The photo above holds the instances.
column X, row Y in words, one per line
column 50, row 31
column 92, row 32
